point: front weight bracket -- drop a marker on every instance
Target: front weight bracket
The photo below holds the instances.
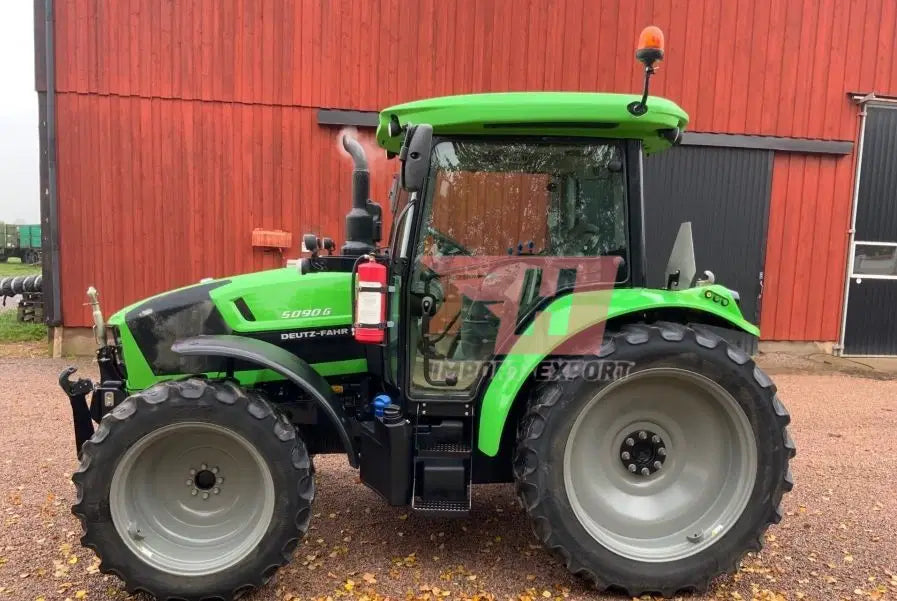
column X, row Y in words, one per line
column 77, row 392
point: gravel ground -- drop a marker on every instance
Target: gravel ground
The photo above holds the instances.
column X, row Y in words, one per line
column 837, row 540
column 11, row 303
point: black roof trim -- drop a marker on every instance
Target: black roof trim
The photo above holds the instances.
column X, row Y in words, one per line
column 782, row 144
column 804, row 145
column 344, row 117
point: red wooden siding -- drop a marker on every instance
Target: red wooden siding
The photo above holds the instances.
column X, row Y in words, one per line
column 807, row 249
column 746, row 66
column 491, row 212
column 160, row 193
column 185, row 124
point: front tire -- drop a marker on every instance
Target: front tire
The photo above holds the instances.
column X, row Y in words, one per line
column 661, row 479
column 194, row 490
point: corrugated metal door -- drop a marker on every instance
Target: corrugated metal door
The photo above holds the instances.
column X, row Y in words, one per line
column 724, row 192
column 870, row 327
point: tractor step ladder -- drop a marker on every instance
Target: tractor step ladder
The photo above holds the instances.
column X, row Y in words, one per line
column 441, row 485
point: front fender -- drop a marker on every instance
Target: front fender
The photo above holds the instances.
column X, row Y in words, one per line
column 570, row 314
column 277, row 359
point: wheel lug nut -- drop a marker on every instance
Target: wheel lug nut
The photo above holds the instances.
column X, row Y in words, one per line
column 189, row 482
column 216, row 490
column 632, row 467
column 630, row 442
column 214, row 470
column 219, row 480
column 662, row 452
column 646, row 471
column 204, row 467
column 657, row 465
column 625, row 455
column 642, row 435
column 192, row 472
column 193, row 492
column 134, row 531
column 655, row 439
column 205, row 495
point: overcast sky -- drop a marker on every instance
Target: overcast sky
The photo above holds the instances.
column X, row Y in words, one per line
column 19, row 184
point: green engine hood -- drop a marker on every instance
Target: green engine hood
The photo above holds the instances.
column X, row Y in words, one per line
column 308, row 314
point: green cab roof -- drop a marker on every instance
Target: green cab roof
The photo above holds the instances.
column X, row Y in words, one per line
column 579, row 114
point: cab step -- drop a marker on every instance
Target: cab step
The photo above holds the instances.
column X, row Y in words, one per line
column 442, row 467
column 441, row 508
column 445, row 449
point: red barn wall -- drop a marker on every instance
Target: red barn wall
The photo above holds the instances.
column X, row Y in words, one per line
column 183, row 125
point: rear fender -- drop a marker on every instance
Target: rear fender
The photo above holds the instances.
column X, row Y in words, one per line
column 287, row 364
column 573, row 313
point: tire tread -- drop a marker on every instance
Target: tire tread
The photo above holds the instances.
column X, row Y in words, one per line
column 532, row 425
column 226, row 394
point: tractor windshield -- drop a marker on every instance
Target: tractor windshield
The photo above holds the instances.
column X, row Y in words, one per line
column 490, row 199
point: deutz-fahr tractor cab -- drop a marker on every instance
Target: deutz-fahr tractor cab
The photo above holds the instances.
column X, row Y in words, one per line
column 503, row 332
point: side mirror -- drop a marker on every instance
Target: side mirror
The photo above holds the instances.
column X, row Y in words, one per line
column 415, row 157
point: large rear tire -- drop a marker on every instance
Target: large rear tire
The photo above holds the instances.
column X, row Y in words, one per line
column 194, row 490
column 663, row 478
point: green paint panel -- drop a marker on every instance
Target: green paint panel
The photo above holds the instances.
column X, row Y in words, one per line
column 284, row 299
column 578, row 114
column 279, row 299
column 574, row 313
column 29, row 236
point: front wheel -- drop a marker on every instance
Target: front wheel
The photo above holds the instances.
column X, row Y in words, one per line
column 194, row 490
column 659, row 480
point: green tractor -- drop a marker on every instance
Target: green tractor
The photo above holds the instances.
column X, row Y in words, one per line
column 504, row 332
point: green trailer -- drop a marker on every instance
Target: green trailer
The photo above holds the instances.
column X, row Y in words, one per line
column 29, row 236
column 9, row 237
column 22, row 241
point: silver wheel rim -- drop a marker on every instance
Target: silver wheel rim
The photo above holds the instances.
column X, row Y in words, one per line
column 192, row 498
column 677, row 507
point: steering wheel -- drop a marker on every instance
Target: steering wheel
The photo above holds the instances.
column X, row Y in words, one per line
column 454, row 248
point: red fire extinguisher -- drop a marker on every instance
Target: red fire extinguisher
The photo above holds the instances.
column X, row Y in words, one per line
column 370, row 302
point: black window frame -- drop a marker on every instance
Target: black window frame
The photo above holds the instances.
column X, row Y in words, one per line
column 636, row 274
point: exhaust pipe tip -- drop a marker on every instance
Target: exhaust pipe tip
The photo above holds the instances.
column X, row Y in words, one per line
column 356, row 151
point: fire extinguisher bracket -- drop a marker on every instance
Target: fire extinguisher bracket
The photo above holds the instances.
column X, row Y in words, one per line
column 362, row 287
column 375, row 326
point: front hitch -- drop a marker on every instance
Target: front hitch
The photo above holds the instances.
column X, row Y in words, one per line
column 77, row 392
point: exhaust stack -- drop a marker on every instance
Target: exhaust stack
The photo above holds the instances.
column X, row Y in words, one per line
column 360, row 222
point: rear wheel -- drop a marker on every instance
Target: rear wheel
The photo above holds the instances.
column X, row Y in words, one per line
column 31, row 257
column 660, row 480
column 194, row 490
